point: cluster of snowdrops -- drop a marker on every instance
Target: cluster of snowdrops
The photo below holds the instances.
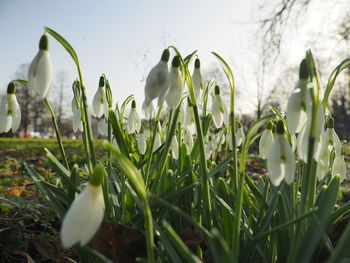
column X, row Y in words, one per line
column 175, row 148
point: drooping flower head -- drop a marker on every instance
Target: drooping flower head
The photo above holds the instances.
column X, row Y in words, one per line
column 266, row 141
column 10, row 113
column 174, row 94
column 157, row 82
column 219, row 110
column 85, row 215
column 77, row 123
column 296, row 116
column 99, row 104
column 198, row 81
column 40, row 74
column 281, row 160
column 134, row 121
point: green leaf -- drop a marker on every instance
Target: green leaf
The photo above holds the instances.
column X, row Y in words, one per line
column 46, row 191
column 180, row 246
column 312, row 235
column 118, row 133
column 332, row 78
column 219, row 248
column 64, row 43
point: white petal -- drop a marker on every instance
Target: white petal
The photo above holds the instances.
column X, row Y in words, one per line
column 275, row 166
column 293, row 112
column 97, row 104
column 174, row 94
column 131, row 124
column 44, row 74
column 339, row 167
column 265, row 143
column 216, row 112
column 157, row 82
column 174, row 147
column 141, row 143
column 16, row 112
column 198, row 84
column 83, row 217
column 290, row 160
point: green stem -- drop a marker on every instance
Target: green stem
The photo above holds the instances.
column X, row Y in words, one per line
column 63, row 153
column 203, row 171
column 172, row 127
column 150, row 150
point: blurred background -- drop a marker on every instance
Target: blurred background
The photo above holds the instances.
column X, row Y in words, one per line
column 263, row 42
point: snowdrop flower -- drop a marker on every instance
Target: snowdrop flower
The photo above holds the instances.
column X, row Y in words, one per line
column 99, row 104
column 330, row 138
column 77, row 123
column 266, row 141
column 157, row 81
column 157, row 139
column 281, row 160
column 190, row 124
column 174, row 147
column 239, row 134
column 134, row 121
column 296, row 116
column 10, row 113
column 102, row 127
column 85, row 215
column 142, row 141
column 173, row 98
column 303, row 136
column 198, row 82
column 148, row 110
column 339, row 167
column 40, row 74
column 219, row 110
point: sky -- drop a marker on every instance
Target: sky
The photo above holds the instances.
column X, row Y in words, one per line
column 125, row 39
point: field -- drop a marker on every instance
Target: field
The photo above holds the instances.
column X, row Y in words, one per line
column 29, row 229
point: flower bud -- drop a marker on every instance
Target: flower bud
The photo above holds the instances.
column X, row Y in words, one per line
column 11, row 88
column 44, row 43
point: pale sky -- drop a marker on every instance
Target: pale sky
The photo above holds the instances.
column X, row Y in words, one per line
column 125, row 39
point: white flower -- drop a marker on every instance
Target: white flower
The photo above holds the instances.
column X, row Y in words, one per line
column 219, row 110
column 77, row 123
column 148, row 110
column 134, row 121
column 281, row 160
column 330, row 138
column 102, row 127
column 190, row 124
column 174, row 147
column 339, row 167
column 303, row 136
column 99, row 104
column 198, row 82
column 10, row 113
column 266, row 141
column 141, row 142
column 85, row 215
column 157, row 139
column 296, row 108
column 174, row 94
column 157, row 81
column 40, row 75
column 239, row 135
